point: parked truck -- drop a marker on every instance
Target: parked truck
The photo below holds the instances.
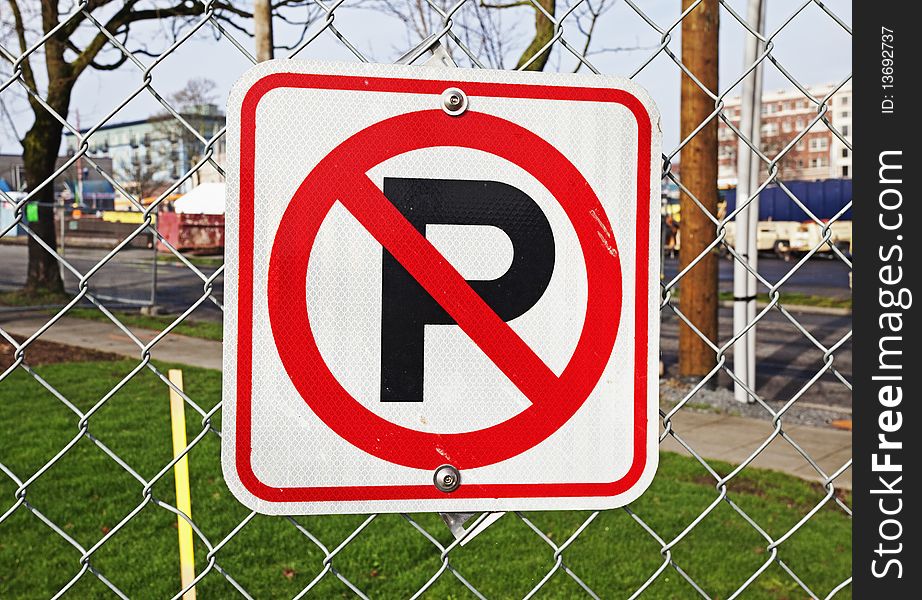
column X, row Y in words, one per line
column 786, row 229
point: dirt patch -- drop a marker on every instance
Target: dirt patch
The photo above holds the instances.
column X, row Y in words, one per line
column 743, row 485
column 737, row 485
column 41, row 352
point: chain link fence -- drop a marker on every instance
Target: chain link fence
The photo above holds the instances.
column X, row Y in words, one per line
column 89, row 535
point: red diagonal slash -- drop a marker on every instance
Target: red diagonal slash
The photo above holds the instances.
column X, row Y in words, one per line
column 426, row 264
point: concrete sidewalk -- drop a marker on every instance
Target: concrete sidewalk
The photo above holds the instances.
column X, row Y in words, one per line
column 733, row 439
column 107, row 337
column 715, row 436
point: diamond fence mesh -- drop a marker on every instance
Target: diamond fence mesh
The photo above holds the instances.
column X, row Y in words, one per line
column 88, row 505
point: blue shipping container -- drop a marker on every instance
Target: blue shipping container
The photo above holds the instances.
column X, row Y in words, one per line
column 824, row 198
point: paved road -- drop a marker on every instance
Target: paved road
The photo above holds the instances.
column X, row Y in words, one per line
column 820, row 276
column 787, row 360
column 128, row 277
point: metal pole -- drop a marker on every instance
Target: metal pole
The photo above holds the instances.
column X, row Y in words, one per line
column 663, row 236
column 747, row 219
column 741, row 244
column 78, row 190
column 63, row 217
column 754, row 175
column 153, row 278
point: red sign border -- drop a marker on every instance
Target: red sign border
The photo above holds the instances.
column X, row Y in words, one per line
column 243, row 447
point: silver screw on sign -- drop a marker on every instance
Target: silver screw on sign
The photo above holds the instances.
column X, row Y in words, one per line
column 454, row 101
column 447, row 479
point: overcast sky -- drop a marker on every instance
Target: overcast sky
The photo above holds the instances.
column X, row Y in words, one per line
column 813, row 48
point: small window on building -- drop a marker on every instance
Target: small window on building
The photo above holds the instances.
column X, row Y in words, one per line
column 844, row 152
column 845, row 130
column 844, row 170
column 843, row 100
column 819, row 143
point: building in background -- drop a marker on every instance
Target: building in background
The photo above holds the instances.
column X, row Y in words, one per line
column 147, row 156
column 785, row 114
column 840, row 157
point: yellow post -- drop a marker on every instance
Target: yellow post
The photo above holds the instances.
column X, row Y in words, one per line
column 181, row 474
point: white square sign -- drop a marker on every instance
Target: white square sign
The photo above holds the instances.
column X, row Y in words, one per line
column 441, row 290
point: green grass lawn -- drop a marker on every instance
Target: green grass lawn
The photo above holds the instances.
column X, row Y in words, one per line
column 87, row 493
column 788, row 299
column 23, row 299
column 211, row 262
column 800, row 299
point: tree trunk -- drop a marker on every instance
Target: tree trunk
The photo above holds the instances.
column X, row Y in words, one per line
column 39, row 154
column 40, row 151
column 544, row 33
column 698, row 173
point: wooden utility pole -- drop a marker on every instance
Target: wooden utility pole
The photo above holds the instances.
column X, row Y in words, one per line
column 698, row 173
column 262, row 30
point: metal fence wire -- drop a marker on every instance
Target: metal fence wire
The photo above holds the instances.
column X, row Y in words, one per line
column 42, row 499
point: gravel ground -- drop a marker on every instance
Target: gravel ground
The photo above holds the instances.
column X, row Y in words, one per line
column 721, row 400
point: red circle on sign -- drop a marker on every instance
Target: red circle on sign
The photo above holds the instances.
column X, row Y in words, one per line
column 341, row 176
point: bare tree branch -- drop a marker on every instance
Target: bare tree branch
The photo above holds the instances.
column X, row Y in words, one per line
column 506, row 4
column 594, row 14
column 531, row 60
column 122, row 18
column 20, row 27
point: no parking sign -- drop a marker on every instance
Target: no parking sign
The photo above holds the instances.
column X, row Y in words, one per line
column 441, row 290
